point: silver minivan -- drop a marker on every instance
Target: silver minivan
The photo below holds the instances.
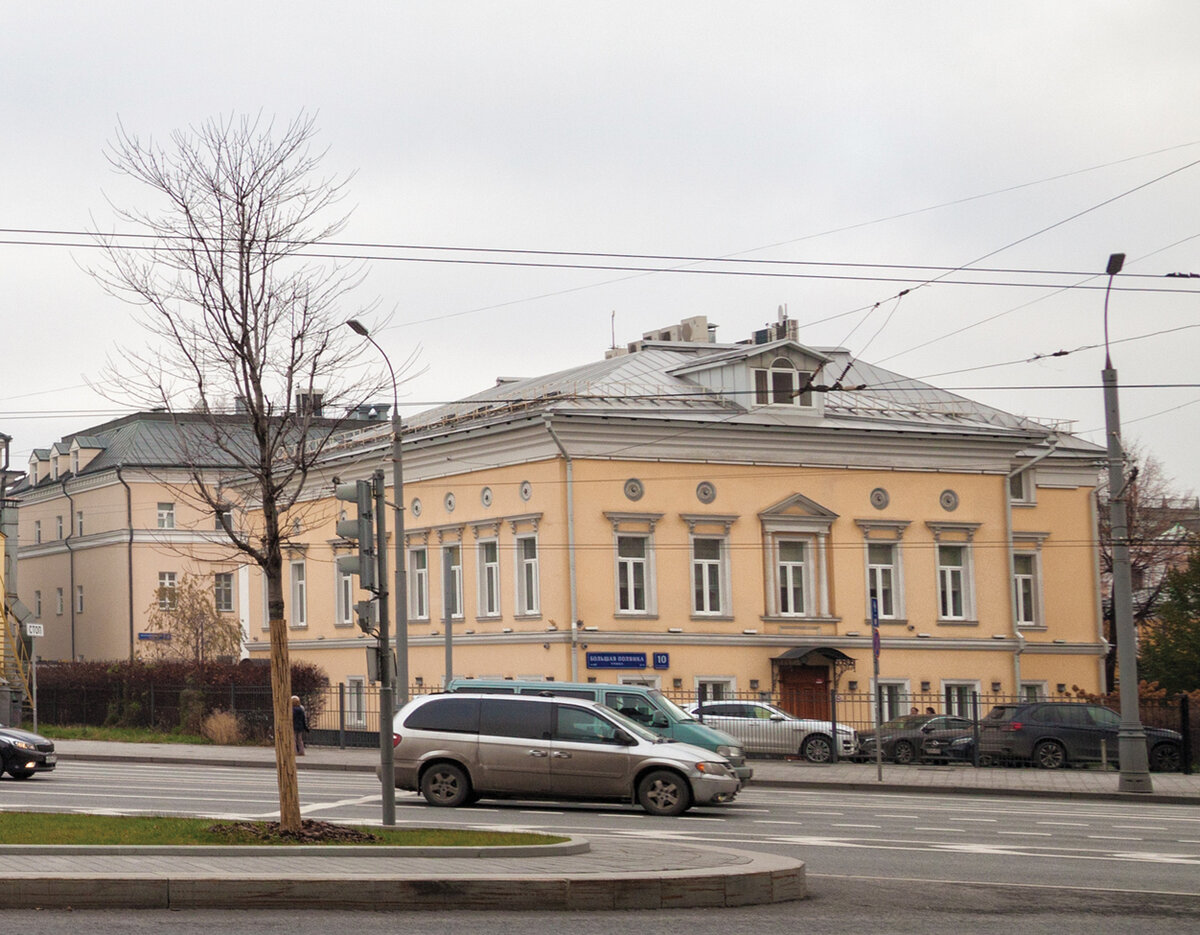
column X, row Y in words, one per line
column 457, row 748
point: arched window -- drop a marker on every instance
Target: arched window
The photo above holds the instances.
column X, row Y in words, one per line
column 782, row 385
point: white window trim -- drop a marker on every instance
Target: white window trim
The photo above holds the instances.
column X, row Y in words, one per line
column 724, row 578
column 529, row 597
column 1028, row 482
column 298, row 590
column 1035, row 590
column 165, row 517
column 897, row 566
column 232, row 593
column 1041, row 689
column 168, row 584
column 960, row 535
column 418, row 585
column 728, row 685
column 37, row 604
column 37, row 532
column 971, row 684
column 456, row 574
column 59, row 602
column 79, row 598
column 356, row 709
column 813, row 529
column 798, row 379
column 905, row 693
column 489, row 575
column 343, row 598
column 650, row 575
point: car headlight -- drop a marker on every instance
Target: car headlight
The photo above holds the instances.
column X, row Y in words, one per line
column 24, row 745
column 726, row 750
column 713, row 768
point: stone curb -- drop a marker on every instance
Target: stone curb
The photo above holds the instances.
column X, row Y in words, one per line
column 569, row 848
column 1157, row 798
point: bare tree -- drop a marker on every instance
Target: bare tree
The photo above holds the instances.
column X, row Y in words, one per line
column 194, row 631
column 247, row 346
column 1158, row 541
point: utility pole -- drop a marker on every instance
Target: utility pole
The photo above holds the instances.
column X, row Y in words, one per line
column 1131, row 737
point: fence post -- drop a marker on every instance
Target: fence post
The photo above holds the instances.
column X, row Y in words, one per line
column 975, row 729
column 1185, row 728
column 836, row 742
column 342, row 715
column 153, row 720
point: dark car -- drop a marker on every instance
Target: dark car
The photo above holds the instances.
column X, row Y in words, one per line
column 1053, row 734
column 959, row 748
column 22, row 754
column 904, row 738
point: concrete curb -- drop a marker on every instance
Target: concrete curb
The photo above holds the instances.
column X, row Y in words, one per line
column 1157, row 798
column 569, row 848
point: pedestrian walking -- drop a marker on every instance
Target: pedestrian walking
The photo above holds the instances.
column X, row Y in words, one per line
column 299, row 724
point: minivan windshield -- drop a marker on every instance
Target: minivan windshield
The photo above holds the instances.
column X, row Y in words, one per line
column 673, row 711
column 633, row 726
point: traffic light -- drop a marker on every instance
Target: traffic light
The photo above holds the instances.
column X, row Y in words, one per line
column 361, row 530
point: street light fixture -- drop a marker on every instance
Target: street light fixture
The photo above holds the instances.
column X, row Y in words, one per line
column 1131, row 737
column 386, row 706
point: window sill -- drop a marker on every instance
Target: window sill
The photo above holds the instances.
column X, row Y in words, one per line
column 536, row 615
column 958, row 623
column 724, row 618
column 634, row 615
column 798, row 619
column 1032, row 628
column 888, row 622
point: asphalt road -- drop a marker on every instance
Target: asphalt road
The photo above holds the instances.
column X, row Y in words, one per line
column 877, row 861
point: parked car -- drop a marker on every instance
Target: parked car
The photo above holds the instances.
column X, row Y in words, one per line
column 904, row 738
column 648, row 706
column 22, row 754
column 763, row 728
column 953, row 749
column 1053, row 734
column 460, row 747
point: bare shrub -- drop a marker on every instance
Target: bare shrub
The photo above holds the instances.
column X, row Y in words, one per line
column 222, row 727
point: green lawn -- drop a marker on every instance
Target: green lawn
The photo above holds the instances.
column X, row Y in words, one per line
column 45, row 828
column 117, row 734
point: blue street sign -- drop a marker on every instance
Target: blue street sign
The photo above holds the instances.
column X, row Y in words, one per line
column 155, row 637
column 662, row 660
column 875, row 626
column 616, row 660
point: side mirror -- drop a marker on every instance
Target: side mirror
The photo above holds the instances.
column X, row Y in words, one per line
column 778, row 717
column 622, row 739
column 659, row 720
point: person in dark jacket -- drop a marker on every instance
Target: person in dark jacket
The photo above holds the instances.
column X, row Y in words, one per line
column 299, row 724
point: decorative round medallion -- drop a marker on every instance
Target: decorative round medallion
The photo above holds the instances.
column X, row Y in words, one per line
column 449, row 502
column 485, row 496
column 415, row 508
column 706, row 492
column 949, row 501
column 634, row 489
column 526, row 490
column 880, row 498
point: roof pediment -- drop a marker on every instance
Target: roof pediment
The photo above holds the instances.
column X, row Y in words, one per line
column 798, row 506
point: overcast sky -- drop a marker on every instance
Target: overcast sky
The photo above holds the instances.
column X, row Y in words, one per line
column 908, row 134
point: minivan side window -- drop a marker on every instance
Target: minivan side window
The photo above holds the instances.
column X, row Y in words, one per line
column 578, row 725
column 502, row 717
column 455, row 715
column 631, row 705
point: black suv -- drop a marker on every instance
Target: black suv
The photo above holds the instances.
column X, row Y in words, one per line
column 1052, row 734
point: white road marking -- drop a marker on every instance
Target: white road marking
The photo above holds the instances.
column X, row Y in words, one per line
column 839, row 825
column 1111, row 837
column 1068, row 824
column 1029, row 834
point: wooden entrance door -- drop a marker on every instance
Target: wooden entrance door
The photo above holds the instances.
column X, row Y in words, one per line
column 804, row 691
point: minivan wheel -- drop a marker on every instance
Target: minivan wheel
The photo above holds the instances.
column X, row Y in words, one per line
column 446, row 785
column 1165, row 758
column 817, row 748
column 1049, row 754
column 664, row 793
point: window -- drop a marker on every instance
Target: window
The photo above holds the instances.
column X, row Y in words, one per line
column 356, row 707
column 527, row 575
column 37, row 604
column 418, row 584
column 222, row 516
column 489, row 578
column 1021, row 488
column 166, row 516
column 959, row 697
column 79, row 522
column 58, row 601
column 952, row 582
column 714, row 689
column 299, row 595
column 882, row 578
column 1033, row 691
column 792, row 570
column 1025, row 589
column 58, row 527
column 632, row 559
column 579, row 725
column 166, row 590
column 223, row 592
column 79, row 598
column 74, row 462
column 783, row 385
column 893, row 698
column 37, row 531
column 452, row 583
column 344, row 594
column 708, row 575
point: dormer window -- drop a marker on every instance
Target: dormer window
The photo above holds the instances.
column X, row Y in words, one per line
column 783, row 385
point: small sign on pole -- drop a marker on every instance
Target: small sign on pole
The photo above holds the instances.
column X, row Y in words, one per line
column 35, row 629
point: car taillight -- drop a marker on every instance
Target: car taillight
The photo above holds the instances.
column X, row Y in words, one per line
column 395, row 740
column 1013, row 725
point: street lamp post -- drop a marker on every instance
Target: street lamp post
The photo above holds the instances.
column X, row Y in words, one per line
column 386, row 705
column 1131, row 737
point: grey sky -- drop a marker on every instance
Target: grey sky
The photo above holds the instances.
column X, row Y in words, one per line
column 691, row 129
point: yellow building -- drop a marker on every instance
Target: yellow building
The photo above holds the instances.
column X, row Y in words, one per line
column 719, row 517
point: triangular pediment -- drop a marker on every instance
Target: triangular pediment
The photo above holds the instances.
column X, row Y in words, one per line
column 798, row 506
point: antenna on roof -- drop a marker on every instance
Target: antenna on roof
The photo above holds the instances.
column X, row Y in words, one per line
column 614, row 329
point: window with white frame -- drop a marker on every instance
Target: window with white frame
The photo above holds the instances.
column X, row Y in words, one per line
column 488, row 560
column 783, row 385
column 58, row 527
column 1025, row 589
column 79, row 598
column 166, row 590
column 709, row 563
column 528, row 582
column 715, row 688
column 79, row 522
column 452, row 586
column 893, row 699
column 418, row 584
column 883, row 575
column 959, row 697
column 356, row 701
column 299, row 606
column 37, row 531
column 58, row 601
column 633, row 562
column 791, row 573
column 222, row 516
column 166, row 515
column 955, row 570
column 37, row 604
column 75, row 462
column 1033, row 691
column 223, row 592
column 1022, row 487
column 343, row 585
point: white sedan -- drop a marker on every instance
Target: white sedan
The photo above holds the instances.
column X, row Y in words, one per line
column 764, row 728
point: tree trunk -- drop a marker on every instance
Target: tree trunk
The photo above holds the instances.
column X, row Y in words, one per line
column 281, row 695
